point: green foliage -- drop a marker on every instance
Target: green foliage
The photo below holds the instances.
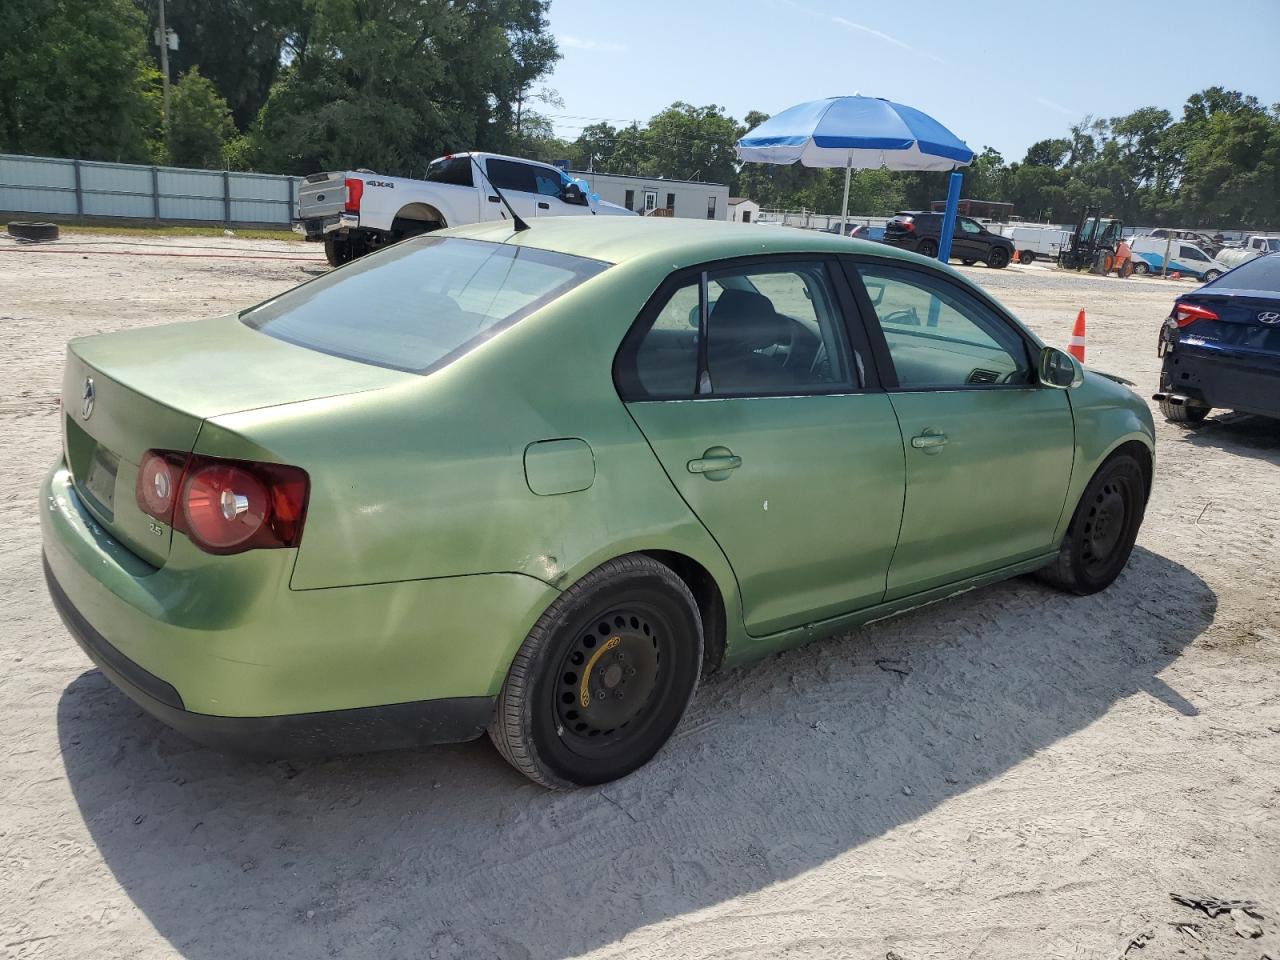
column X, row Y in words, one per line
column 391, row 84
column 75, row 81
column 199, row 122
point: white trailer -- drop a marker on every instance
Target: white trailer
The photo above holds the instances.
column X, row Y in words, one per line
column 1034, row 241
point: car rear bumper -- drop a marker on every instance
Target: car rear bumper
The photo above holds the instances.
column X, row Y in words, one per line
column 1229, row 381
column 224, row 650
column 399, row 725
column 318, row 228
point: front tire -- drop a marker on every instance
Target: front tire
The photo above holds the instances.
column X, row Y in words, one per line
column 603, row 678
column 998, row 258
column 1103, row 529
column 1183, row 412
column 1141, row 268
column 1210, row 276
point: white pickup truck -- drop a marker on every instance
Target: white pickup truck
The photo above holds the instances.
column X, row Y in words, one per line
column 356, row 211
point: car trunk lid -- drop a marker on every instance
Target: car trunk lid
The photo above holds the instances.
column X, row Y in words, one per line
column 130, row 392
column 1247, row 324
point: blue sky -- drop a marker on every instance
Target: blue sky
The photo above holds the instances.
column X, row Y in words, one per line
column 1006, row 78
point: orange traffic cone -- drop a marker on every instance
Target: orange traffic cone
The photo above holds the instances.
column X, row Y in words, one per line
column 1015, row 257
column 1075, row 346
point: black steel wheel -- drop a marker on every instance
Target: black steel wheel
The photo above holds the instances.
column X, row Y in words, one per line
column 603, row 678
column 928, row 247
column 1103, row 528
column 998, row 258
column 1027, row 256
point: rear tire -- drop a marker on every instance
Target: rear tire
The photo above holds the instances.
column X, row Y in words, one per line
column 338, row 251
column 998, row 258
column 626, row 640
column 1103, row 529
column 1141, row 268
column 1027, row 256
column 927, row 247
column 1182, row 412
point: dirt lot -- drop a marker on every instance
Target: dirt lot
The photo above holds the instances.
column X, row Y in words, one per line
column 1012, row 773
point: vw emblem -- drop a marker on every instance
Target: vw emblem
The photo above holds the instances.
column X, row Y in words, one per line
column 87, row 398
column 1269, row 316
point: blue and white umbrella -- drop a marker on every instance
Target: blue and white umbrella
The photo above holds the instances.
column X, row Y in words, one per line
column 863, row 132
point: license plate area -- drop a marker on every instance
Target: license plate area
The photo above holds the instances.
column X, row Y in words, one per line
column 100, row 483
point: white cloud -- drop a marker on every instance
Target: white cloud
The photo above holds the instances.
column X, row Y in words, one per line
column 885, row 37
column 585, row 43
column 1056, row 106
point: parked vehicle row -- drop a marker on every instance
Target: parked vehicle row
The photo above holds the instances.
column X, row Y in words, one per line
column 538, row 483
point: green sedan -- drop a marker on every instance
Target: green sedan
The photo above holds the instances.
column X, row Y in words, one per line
column 539, row 482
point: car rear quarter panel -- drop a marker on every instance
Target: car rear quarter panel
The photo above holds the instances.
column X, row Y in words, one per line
column 427, row 479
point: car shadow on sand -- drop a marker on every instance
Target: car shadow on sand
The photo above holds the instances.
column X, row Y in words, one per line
column 779, row 767
column 1242, row 434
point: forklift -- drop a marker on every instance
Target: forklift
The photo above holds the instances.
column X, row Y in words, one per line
column 1097, row 246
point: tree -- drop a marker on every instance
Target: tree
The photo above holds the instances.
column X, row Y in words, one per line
column 77, row 81
column 392, row 84
column 691, row 143
column 200, row 123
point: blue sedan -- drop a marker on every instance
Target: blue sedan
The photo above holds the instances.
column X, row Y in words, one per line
column 1221, row 345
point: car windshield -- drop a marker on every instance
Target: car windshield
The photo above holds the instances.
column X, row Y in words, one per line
column 1262, row 273
column 422, row 303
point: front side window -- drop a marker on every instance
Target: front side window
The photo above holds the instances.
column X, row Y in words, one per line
column 941, row 336
column 422, row 303
column 548, row 183
column 1191, row 253
column 763, row 330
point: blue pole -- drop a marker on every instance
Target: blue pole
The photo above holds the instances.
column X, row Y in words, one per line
column 949, row 218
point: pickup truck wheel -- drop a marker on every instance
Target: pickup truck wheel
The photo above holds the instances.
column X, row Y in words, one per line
column 338, row 252
column 998, row 258
column 1027, row 256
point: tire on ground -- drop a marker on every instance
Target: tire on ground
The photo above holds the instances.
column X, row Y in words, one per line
column 561, row 686
column 1183, row 412
column 1103, row 528
column 28, row 230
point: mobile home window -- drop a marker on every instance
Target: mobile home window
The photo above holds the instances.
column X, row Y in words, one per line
column 630, row 202
column 671, row 202
column 711, row 207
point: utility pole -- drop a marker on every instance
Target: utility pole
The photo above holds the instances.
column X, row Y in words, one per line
column 164, row 63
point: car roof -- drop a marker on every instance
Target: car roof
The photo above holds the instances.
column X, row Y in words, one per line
column 615, row 239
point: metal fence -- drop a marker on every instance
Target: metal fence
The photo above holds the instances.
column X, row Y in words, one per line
column 88, row 188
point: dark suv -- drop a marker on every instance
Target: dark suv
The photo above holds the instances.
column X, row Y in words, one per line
column 970, row 243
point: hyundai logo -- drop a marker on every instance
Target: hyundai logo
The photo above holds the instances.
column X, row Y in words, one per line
column 1269, row 316
column 87, row 398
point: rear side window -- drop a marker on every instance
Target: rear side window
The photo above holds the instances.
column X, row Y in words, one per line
column 452, row 170
column 764, row 330
column 510, row 175
column 1260, row 274
column 422, row 303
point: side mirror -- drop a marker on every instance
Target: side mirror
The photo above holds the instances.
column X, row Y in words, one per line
column 1059, row 370
column 572, row 193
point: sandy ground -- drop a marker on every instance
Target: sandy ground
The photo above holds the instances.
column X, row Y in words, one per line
column 1011, row 774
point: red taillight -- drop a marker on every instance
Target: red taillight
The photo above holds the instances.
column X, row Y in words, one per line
column 224, row 506
column 355, row 190
column 1185, row 314
column 907, row 225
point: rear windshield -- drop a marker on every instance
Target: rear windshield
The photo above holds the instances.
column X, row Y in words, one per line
column 1262, row 273
column 422, row 303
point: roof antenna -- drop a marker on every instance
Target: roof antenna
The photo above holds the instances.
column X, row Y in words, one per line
column 520, row 224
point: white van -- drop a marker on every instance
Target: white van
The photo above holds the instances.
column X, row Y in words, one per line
column 1186, row 258
column 1034, row 241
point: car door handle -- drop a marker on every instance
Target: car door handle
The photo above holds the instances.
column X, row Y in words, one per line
column 494, row 200
column 543, row 206
column 714, row 464
column 930, row 441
